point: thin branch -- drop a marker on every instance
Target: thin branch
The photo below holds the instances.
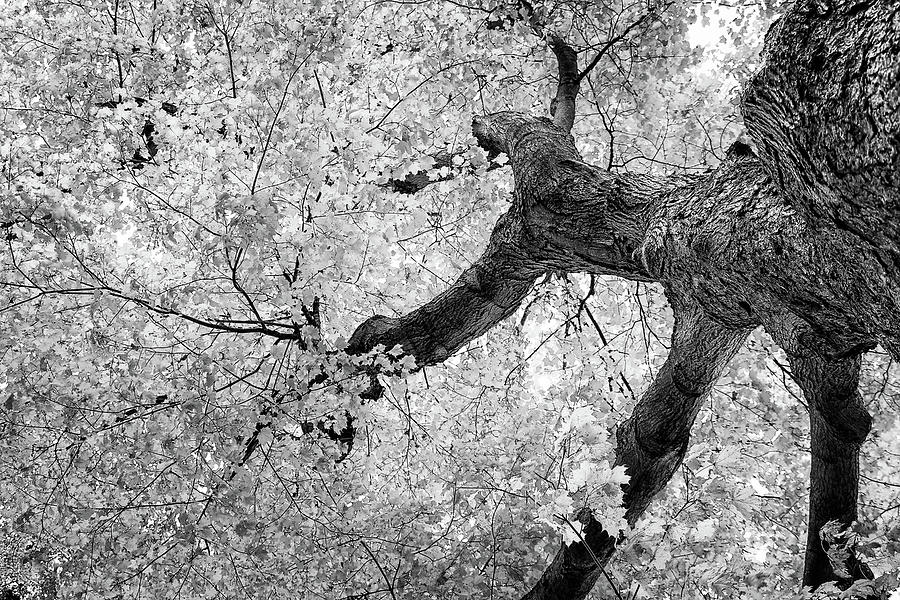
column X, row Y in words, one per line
column 615, row 40
column 115, row 32
column 387, row 581
column 413, row 90
column 237, row 285
column 225, row 35
column 218, row 325
column 582, row 306
column 265, row 149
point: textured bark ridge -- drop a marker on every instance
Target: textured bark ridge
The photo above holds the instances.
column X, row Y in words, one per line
column 803, row 240
column 825, row 112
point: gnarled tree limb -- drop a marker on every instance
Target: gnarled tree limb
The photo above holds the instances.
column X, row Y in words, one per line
column 487, row 292
column 790, row 241
column 825, row 114
column 651, row 444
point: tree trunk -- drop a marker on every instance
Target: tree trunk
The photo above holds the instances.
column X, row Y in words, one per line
column 824, row 112
column 839, row 424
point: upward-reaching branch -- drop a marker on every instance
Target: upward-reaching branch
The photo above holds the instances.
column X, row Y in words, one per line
column 618, row 38
column 651, row 444
column 563, row 105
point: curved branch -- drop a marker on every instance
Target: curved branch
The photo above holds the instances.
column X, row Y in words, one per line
column 264, row 328
column 487, row 292
column 651, row 444
column 562, row 108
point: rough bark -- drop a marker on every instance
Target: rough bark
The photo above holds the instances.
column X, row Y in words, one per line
column 803, row 241
column 839, row 424
column 651, row 443
column 690, row 234
column 487, row 292
column 824, row 112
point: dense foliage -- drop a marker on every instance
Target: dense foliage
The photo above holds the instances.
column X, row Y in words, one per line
column 201, row 201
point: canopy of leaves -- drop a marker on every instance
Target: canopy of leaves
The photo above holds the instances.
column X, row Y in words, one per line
column 198, row 206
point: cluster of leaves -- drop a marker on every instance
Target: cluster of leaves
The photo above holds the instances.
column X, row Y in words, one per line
column 197, row 209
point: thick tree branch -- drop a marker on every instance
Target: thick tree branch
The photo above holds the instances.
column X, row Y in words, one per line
column 733, row 252
column 700, row 236
column 487, row 292
column 562, row 108
column 651, row 444
column 839, row 424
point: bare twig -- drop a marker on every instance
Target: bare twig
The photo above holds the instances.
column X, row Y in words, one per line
column 224, row 31
column 616, row 39
column 265, row 149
